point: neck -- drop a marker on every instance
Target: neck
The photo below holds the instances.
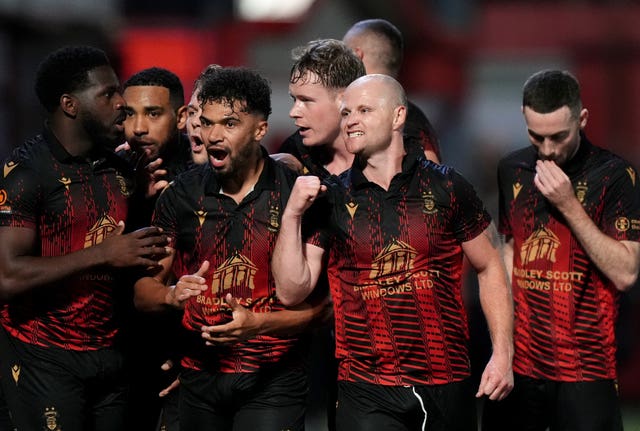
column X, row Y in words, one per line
column 240, row 184
column 381, row 167
column 341, row 159
column 73, row 139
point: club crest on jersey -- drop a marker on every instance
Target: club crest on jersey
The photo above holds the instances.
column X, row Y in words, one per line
column 8, row 167
column 396, row 258
column 632, row 175
column 274, row 219
column 100, row 230
column 125, row 186
column 428, row 203
column 541, row 244
column 516, row 189
column 351, row 208
column 15, row 372
column 622, row 224
column 202, row 215
column 237, row 271
column 581, row 191
column 51, row 418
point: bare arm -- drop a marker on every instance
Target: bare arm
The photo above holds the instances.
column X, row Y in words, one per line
column 246, row 324
column 619, row 261
column 495, row 298
column 296, row 265
column 21, row 270
column 154, row 293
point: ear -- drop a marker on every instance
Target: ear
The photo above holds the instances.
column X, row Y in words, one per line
column 181, row 115
column 399, row 117
column 359, row 52
column 69, row 105
column 261, row 130
column 584, row 116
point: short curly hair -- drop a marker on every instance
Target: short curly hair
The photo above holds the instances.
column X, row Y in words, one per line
column 334, row 63
column 237, row 84
column 65, row 71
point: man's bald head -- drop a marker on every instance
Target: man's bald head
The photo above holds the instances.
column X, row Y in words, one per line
column 384, row 85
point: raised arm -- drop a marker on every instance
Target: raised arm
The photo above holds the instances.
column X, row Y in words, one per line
column 619, row 261
column 483, row 253
column 22, row 270
column 296, row 265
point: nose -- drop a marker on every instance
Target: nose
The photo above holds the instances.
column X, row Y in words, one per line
column 546, row 150
column 120, row 103
column 294, row 112
column 213, row 135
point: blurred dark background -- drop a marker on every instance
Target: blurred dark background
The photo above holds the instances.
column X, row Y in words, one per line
column 465, row 63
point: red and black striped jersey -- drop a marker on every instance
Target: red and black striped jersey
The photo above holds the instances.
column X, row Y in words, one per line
column 395, row 270
column 238, row 241
column 565, row 308
column 71, row 204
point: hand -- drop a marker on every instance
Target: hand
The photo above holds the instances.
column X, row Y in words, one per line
column 245, row 324
column 553, row 183
column 188, row 286
column 497, row 378
column 123, row 147
column 167, row 366
column 144, row 247
column 306, row 189
column 155, row 178
column 289, row 161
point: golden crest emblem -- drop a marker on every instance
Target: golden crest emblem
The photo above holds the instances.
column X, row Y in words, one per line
column 622, row 224
column 124, row 186
column 51, row 418
column 581, row 191
column 429, row 203
column 541, row 245
column 274, row 219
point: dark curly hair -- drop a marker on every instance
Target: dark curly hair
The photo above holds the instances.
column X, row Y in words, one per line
column 237, row 84
column 549, row 90
column 65, row 71
column 159, row 77
column 334, row 63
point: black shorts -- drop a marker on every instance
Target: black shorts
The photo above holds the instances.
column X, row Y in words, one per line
column 270, row 400
column 364, row 407
column 535, row 405
column 56, row 389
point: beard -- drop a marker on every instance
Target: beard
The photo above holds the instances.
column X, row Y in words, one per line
column 238, row 163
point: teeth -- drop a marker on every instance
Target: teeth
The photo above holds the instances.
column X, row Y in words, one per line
column 353, row 134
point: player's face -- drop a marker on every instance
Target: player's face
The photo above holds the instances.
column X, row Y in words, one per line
column 198, row 149
column 315, row 111
column 151, row 120
column 367, row 118
column 232, row 137
column 556, row 135
column 101, row 107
